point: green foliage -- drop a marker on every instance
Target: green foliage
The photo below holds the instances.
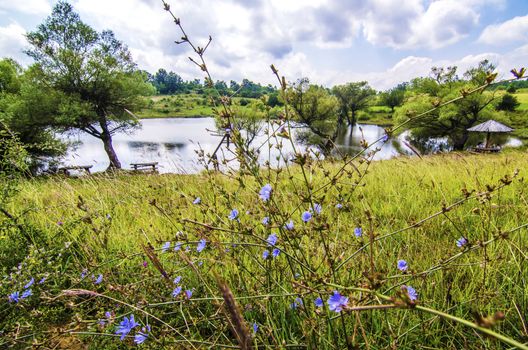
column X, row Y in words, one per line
column 507, row 103
column 352, row 97
column 393, row 97
column 93, row 72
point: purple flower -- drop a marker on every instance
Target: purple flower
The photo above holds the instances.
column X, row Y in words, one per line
column 289, row 226
column 462, row 241
column 198, row 200
column 176, row 291
column 83, row 274
column 233, row 214
column 402, row 265
column 145, row 264
column 265, row 192
column 306, row 216
column 265, row 254
column 385, row 138
column 339, row 206
column 99, row 279
column 14, row 297
column 177, row 246
column 255, row 327
column 272, row 240
column 108, row 315
column 411, row 292
column 275, row 252
column 177, row 280
column 336, row 302
column 30, row 283
column 201, row 245
column 60, row 223
column 165, row 247
column 318, row 208
column 141, row 336
column 188, row 293
column 265, row 220
column 319, row 302
column 358, row 231
column 126, row 326
column 26, row 294
column 42, row 280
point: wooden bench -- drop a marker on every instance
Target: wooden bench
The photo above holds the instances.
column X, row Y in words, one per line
column 486, row 149
column 66, row 169
column 144, row 166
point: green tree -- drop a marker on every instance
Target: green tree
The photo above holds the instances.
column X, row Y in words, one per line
column 353, row 97
column 451, row 121
column 508, row 103
column 93, row 71
column 316, row 109
column 394, row 97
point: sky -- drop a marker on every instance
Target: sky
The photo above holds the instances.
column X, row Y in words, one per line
column 384, row 42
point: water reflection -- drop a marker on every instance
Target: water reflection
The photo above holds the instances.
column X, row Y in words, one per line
column 173, row 143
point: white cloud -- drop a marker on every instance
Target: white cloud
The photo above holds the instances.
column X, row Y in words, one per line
column 12, row 42
column 513, row 30
column 34, row 7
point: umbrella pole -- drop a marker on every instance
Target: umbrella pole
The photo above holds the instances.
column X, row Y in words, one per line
column 487, row 139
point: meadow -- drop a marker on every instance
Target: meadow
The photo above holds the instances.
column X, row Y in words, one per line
column 172, row 251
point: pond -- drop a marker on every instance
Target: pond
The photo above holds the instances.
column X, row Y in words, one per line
column 173, row 143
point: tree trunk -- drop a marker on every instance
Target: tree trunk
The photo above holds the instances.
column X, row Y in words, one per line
column 106, row 137
column 460, row 142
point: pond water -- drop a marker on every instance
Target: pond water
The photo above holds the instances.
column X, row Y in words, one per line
column 173, row 143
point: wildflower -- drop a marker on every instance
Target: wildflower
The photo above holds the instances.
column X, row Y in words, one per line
column 319, row 302
column 358, row 231
column 176, row 291
column 233, row 214
column 402, row 265
column 265, row 254
column 142, row 335
column 306, row 216
column 272, row 239
column 275, row 252
column 60, row 223
column 177, row 280
column 108, row 315
column 336, row 302
column 99, row 279
column 26, row 294
column 177, row 246
column 255, row 327
column 339, row 206
column 411, row 292
column 30, row 283
column 201, row 245
column 385, row 138
column 265, row 220
column 14, row 297
column 126, row 326
column 145, row 264
column 198, row 200
column 188, row 293
column 318, row 208
column 83, row 274
column 265, row 192
column 462, row 241
column 289, row 226
column 200, row 263
column 43, row 279
column 165, row 247
column 108, row 216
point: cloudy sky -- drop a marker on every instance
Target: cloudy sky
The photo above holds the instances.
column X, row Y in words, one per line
column 330, row 41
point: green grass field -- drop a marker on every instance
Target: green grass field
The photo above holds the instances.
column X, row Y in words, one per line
column 522, row 97
column 110, row 218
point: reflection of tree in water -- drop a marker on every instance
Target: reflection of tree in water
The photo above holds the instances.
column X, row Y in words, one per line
column 173, row 146
column 144, row 146
column 437, row 145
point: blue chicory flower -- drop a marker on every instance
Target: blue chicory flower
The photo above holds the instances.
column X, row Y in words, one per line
column 43, row 279
column 319, row 302
column 275, row 253
column 177, row 246
column 412, row 293
column 198, row 200
column 108, row 315
column 318, row 208
column 126, row 325
column 14, row 297
column 306, row 216
column 289, row 225
column 265, row 220
column 272, row 240
column 339, row 206
column 462, row 241
column 99, row 279
column 165, row 247
column 385, row 138
column 26, row 294
column 176, row 291
column 233, row 214
column 30, row 283
column 402, row 265
column 337, row 302
column 188, row 293
column 265, row 254
column 265, row 192
column 177, row 280
column 201, row 245
column 140, row 338
column 358, row 231
column 255, row 327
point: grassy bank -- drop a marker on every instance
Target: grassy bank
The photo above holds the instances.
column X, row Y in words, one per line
column 108, row 219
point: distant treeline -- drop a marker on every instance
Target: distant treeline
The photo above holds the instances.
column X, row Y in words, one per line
column 511, row 86
column 169, row 83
